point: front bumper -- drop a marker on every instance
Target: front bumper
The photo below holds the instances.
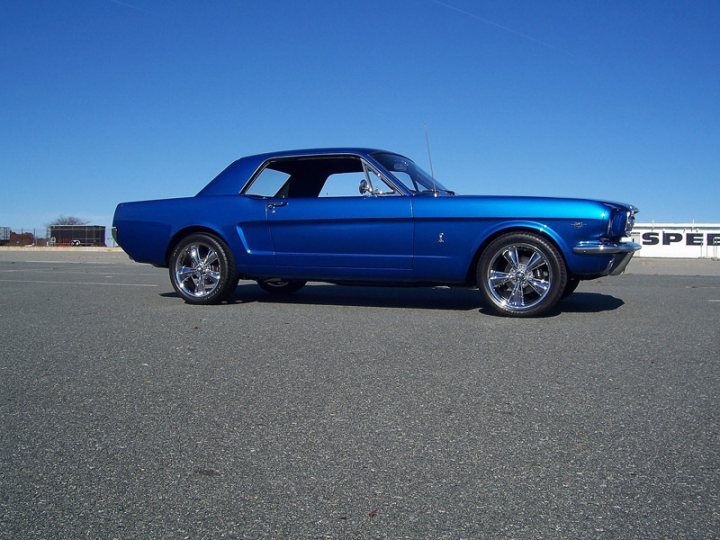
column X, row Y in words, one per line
column 621, row 253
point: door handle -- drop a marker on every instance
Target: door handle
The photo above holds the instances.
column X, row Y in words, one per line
column 276, row 204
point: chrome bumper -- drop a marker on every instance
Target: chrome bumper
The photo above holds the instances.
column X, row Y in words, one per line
column 621, row 253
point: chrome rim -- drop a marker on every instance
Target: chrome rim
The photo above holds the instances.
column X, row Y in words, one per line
column 519, row 277
column 197, row 270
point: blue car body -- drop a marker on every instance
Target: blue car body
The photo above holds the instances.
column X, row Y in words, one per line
column 410, row 233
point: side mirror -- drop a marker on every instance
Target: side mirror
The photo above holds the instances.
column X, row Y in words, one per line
column 365, row 187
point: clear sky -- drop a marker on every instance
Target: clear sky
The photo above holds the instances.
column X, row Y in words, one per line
column 103, row 101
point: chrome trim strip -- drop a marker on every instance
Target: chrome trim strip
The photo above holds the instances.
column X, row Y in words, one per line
column 605, row 248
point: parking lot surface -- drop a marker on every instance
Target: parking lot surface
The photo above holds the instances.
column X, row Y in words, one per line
column 354, row 412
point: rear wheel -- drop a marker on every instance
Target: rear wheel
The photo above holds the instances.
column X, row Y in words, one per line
column 281, row 286
column 521, row 275
column 202, row 269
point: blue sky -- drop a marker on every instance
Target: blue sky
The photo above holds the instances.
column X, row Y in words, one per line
column 105, row 101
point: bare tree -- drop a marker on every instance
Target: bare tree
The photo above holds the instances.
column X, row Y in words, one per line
column 68, row 220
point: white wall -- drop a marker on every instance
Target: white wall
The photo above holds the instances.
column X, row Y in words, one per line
column 687, row 240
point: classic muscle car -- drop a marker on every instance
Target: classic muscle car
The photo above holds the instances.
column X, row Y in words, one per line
column 362, row 216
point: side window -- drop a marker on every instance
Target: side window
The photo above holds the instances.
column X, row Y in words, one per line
column 345, row 184
column 379, row 186
column 268, row 183
column 307, row 177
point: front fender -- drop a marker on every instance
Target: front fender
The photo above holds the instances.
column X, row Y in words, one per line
column 521, row 225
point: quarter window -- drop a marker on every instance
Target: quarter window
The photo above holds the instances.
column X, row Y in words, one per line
column 268, row 183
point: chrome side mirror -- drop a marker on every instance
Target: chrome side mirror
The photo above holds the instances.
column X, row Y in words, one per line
column 365, row 187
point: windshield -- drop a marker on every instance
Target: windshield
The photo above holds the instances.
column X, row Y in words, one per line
column 410, row 175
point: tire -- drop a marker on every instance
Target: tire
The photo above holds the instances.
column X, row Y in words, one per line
column 202, row 270
column 570, row 286
column 281, row 286
column 521, row 275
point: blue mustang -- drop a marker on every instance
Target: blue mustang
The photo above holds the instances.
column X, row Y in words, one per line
column 356, row 215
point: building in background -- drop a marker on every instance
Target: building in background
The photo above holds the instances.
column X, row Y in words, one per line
column 11, row 238
column 22, row 239
column 76, row 235
column 678, row 240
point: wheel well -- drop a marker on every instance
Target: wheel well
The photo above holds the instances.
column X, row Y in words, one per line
column 182, row 233
column 471, row 276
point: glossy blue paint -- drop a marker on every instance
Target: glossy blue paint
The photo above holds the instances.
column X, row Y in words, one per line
column 343, row 233
column 410, row 236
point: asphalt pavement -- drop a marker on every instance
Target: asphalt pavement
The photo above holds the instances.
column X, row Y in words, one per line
column 355, row 412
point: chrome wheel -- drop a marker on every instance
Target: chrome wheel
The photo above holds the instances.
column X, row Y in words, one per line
column 521, row 274
column 202, row 269
column 197, row 270
column 519, row 277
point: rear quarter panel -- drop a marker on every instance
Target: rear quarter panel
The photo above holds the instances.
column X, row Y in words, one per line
column 147, row 230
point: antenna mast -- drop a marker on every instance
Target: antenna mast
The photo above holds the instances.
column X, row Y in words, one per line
column 432, row 172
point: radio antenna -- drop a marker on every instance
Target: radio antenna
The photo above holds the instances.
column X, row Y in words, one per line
column 432, row 172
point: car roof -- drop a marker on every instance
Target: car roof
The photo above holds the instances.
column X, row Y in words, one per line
column 233, row 178
column 318, row 152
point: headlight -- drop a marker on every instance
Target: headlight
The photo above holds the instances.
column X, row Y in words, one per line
column 616, row 227
column 630, row 220
column 621, row 222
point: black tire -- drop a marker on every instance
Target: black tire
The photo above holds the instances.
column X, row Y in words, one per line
column 281, row 286
column 570, row 286
column 202, row 269
column 521, row 275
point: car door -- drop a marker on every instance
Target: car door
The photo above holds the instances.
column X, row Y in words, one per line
column 342, row 233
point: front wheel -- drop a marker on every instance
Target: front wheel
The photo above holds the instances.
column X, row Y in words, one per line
column 202, row 269
column 521, row 275
column 281, row 286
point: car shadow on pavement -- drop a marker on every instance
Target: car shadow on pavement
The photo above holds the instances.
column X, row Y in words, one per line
column 576, row 303
column 449, row 298
column 585, row 302
column 459, row 299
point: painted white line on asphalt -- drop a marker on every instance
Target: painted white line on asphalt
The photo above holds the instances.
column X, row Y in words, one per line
column 67, row 262
column 64, row 283
column 70, row 272
column 713, row 300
